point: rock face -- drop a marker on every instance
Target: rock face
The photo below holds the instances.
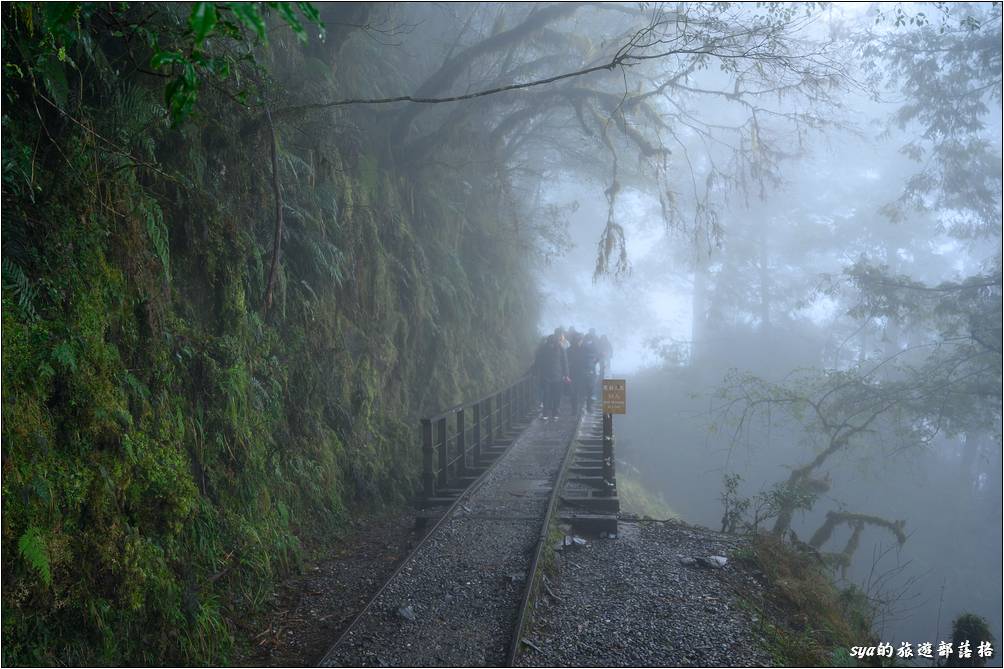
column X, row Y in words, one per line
column 662, row 594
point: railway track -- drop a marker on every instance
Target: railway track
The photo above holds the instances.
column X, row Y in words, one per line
column 462, row 597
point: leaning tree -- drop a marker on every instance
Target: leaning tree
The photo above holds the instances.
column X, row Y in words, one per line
column 611, row 93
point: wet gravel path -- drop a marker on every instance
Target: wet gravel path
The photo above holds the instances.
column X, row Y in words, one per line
column 455, row 601
column 638, row 601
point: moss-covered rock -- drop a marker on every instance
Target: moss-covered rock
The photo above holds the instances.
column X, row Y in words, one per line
column 169, row 448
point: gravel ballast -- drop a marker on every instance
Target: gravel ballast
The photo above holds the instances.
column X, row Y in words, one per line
column 649, row 597
column 454, row 603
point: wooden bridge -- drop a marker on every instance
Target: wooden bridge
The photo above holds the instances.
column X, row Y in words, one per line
column 497, row 482
column 460, row 444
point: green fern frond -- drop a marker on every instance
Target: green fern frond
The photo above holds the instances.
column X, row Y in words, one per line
column 32, row 547
column 63, row 354
column 157, row 232
column 16, row 281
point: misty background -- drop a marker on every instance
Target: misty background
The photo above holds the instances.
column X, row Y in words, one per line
column 247, row 246
column 767, row 302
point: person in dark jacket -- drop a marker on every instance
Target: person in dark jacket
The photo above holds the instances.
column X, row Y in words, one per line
column 582, row 369
column 553, row 366
column 594, row 342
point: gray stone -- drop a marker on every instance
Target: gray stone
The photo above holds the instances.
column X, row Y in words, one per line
column 713, row 561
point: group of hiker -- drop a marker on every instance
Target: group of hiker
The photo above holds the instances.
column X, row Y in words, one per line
column 566, row 362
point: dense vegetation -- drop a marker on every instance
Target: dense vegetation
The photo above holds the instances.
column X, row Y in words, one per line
column 245, row 245
column 171, row 442
column 804, row 620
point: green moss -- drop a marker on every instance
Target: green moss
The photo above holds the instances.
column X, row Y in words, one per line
column 804, row 619
column 635, row 498
column 169, row 449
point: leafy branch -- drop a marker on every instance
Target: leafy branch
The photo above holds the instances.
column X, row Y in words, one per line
column 202, row 51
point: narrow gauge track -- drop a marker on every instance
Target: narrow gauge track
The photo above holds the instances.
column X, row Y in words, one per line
column 588, row 427
column 460, row 598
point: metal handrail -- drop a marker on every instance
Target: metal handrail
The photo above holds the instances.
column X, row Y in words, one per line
column 448, row 453
column 454, row 409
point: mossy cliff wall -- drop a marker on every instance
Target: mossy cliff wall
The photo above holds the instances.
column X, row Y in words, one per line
column 168, row 445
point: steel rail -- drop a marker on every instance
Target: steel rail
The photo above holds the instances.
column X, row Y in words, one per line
column 473, row 487
column 533, row 576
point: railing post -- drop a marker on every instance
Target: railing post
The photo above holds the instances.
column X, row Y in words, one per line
column 517, row 412
column 461, row 445
column 608, row 454
column 493, row 417
column 509, row 407
column 515, row 402
column 441, row 447
column 428, row 476
column 489, row 433
column 512, row 406
column 497, row 401
column 503, row 411
column 476, row 434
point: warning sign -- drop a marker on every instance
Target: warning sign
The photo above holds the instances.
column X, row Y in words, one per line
column 614, row 396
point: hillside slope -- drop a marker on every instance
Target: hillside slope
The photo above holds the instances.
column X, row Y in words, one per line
column 652, row 597
column 170, row 442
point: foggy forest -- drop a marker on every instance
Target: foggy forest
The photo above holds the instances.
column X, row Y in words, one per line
column 502, row 334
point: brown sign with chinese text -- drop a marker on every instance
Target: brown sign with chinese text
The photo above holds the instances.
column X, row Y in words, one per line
column 614, row 396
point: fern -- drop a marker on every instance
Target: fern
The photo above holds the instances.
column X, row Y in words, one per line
column 63, row 354
column 301, row 169
column 16, row 281
column 32, row 547
column 155, row 230
column 130, row 110
column 328, row 260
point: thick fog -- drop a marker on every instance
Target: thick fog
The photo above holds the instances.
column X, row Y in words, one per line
column 249, row 246
column 787, row 219
column 773, row 298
